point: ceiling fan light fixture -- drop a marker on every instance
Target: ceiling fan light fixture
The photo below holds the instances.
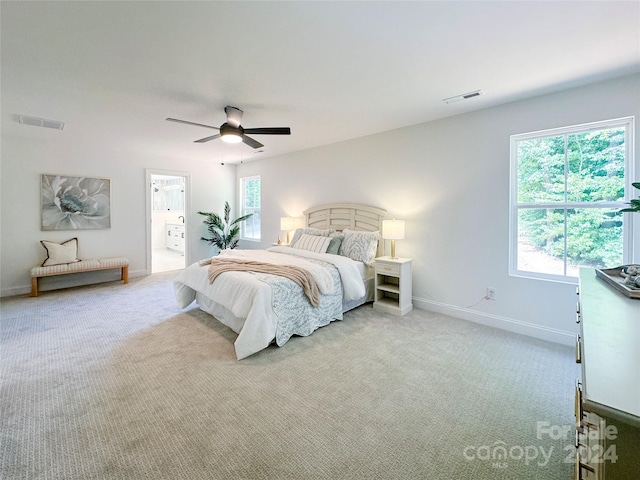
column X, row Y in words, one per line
column 230, row 134
column 231, row 137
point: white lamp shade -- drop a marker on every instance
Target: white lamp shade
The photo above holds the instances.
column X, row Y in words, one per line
column 291, row 223
column 393, row 229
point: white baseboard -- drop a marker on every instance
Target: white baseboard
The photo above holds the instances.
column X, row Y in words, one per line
column 504, row 323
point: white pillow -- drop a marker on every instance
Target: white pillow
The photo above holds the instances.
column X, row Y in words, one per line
column 360, row 246
column 312, row 243
column 310, row 231
column 60, row 253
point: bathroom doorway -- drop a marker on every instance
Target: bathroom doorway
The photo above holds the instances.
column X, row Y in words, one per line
column 167, row 245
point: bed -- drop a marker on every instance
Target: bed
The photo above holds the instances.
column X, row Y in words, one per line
column 265, row 308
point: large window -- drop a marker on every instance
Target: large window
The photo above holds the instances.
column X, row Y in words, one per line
column 250, row 203
column 567, row 188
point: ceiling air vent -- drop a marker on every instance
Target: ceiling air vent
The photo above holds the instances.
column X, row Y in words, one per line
column 464, row 96
column 40, row 122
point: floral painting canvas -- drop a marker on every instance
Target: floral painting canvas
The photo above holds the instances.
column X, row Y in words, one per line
column 75, row 203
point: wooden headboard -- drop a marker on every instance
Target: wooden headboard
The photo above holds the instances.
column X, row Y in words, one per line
column 353, row 216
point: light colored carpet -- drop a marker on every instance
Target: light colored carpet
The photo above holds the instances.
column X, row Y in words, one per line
column 113, row 381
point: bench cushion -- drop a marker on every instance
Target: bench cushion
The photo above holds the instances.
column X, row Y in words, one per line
column 81, row 266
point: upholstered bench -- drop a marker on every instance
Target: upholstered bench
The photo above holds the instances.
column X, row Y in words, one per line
column 82, row 266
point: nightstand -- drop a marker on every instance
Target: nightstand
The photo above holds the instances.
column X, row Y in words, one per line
column 393, row 285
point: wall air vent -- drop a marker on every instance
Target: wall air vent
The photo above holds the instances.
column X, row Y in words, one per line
column 464, row 96
column 40, row 122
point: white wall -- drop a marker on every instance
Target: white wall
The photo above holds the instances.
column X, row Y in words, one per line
column 34, row 151
column 449, row 180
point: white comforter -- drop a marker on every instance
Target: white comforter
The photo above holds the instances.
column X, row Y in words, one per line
column 244, row 303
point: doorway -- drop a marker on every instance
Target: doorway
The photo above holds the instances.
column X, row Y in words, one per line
column 167, row 244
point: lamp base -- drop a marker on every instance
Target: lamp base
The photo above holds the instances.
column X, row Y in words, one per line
column 393, row 249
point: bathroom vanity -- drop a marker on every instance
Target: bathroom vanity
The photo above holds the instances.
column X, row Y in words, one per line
column 175, row 237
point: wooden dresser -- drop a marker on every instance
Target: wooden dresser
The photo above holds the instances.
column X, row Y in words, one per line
column 608, row 392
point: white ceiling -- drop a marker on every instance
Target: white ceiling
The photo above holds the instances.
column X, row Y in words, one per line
column 332, row 71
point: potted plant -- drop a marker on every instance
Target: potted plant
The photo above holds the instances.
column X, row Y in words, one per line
column 634, row 205
column 224, row 234
column 632, row 272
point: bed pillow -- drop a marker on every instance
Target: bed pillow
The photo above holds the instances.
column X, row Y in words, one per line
column 312, row 243
column 60, row 253
column 360, row 246
column 310, row 231
column 334, row 244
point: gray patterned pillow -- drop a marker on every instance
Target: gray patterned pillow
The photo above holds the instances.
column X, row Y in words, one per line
column 310, row 231
column 360, row 246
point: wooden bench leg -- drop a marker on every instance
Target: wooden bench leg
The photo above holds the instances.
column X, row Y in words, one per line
column 34, row 287
column 125, row 274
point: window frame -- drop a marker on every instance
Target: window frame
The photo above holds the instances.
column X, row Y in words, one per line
column 628, row 123
column 244, row 210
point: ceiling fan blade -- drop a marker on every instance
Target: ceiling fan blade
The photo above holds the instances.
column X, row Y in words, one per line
column 251, row 142
column 192, row 123
column 207, row 139
column 234, row 116
column 269, row 131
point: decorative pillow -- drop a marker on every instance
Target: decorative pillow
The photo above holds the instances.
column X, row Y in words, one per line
column 310, row 231
column 313, row 243
column 360, row 246
column 60, row 253
column 334, row 244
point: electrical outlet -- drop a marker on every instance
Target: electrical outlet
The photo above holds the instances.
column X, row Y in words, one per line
column 491, row 293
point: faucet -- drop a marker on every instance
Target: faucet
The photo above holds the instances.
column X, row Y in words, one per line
column 181, row 218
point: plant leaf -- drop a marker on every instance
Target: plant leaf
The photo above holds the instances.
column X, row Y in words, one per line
column 227, row 212
column 242, row 219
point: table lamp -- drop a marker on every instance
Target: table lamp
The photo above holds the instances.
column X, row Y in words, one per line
column 290, row 223
column 393, row 230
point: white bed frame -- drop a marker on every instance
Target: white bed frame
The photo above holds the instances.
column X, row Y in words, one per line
column 352, row 216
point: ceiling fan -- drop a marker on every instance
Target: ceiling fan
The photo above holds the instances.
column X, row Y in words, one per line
column 232, row 132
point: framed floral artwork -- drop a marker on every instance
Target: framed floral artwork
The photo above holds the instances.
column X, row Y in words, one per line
column 75, row 203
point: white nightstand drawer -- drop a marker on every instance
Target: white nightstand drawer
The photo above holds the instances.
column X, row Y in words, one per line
column 388, row 268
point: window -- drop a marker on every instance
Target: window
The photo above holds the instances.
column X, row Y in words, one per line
column 567, row 188
column 250, row 203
